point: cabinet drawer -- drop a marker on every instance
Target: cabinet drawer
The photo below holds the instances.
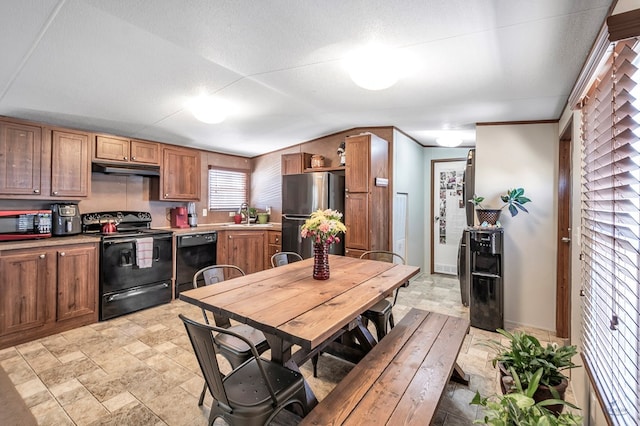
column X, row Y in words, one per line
column 275, row 237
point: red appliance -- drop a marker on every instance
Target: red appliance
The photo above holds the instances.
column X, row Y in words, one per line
column 24, row 224
column 179, row 217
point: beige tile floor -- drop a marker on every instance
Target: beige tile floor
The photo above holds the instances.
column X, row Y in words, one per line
column 139, row 369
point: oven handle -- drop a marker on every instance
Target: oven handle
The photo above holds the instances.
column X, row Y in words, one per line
column 135, row 292
column 133, row 240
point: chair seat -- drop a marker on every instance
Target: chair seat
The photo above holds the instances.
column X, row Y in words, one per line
column 237, row 346
column 381, row 308
column 245, row 386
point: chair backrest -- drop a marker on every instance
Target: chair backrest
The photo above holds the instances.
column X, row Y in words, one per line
column 383, row 256
column 284, row 258
column 203, row 340
column 211, row 275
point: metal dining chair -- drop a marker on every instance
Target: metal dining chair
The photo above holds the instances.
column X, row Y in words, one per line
column 284, row 258
column 236, row 351
column 381, row 313
column 255, row 391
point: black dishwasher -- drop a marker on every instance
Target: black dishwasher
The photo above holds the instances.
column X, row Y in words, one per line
column 193, row 252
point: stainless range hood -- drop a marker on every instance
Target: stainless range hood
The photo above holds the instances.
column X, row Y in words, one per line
column 125, row 169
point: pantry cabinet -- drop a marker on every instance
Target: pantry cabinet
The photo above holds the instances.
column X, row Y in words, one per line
column 366, row 194
column 47, row 290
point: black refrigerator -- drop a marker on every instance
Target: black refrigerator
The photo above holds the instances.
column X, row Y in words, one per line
column 468, row 191
column 303, row 194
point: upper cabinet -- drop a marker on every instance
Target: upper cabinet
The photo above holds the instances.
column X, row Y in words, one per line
column 70, row 159
column 179, row 175
column 293, row 164
column 38, row 162
column 112, row 148
column 20, row 157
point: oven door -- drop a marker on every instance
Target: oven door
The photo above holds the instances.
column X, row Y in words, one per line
column 119, row 270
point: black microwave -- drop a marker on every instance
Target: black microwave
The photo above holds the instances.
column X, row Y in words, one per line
column 24, row 224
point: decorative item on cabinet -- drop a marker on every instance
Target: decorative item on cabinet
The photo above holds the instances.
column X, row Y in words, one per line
column 317, row 161
column 341, row 154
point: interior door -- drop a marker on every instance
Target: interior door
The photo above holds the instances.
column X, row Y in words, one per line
column 449, row 214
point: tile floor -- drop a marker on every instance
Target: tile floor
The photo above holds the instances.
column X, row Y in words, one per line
column 140, row 370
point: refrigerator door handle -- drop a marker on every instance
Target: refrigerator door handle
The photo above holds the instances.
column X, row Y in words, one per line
column 298, row 218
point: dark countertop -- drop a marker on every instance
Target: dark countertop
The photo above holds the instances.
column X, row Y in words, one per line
column 49, row 242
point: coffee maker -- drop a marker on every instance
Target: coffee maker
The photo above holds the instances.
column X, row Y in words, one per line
column 179, row 217
column 66, row 219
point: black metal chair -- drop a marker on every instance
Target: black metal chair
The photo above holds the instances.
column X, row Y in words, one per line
column 284, row 258
column 255, row 391
column 236, row 351
column 381, row 313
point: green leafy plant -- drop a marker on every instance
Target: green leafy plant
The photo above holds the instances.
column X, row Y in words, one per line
column 525, row 356
column 520, row 409
column 514, row 199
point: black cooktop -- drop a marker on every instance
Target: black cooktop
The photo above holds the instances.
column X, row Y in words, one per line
column 128, row 223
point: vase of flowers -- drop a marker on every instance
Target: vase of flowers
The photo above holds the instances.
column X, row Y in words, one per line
column 325, row 227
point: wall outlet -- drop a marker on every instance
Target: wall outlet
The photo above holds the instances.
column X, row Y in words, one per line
column 204, row 212
column 232, row 214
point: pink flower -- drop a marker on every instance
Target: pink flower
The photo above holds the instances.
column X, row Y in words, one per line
column 324, row 227
column 304, row 233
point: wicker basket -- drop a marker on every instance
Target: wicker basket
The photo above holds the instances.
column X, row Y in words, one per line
column 488, row 215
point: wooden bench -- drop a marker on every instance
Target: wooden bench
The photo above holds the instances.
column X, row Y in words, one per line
column 402, row 379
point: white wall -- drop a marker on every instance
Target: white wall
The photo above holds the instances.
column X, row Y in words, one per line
column 408, row 174
column 429, row 154
column 524, row 155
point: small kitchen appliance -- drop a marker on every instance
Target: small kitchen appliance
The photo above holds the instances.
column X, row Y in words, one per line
column 192, row 215
column 24, row 224
column 179, row 217
column 66, row 219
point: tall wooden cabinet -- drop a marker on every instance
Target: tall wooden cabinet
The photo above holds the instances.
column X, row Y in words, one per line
column 366, row 213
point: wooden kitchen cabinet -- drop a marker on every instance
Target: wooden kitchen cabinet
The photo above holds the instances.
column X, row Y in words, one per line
column 77, row 294
column 293, row 164
column 47, row 290
column 366, row 215
column 125, row 150
column 70, row 161
column 20, row 159
column 245, row 249
column 179, row 175
column 274, row 245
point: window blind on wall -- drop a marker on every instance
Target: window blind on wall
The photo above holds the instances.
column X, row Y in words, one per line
column 227, row 189
column 611, row 233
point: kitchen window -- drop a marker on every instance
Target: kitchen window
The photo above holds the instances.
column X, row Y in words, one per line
column 227, row 188
column 611, row 233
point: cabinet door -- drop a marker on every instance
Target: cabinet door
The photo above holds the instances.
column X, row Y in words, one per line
column 112, row 148
column 356, row 218
column 77, row 282
column 20, row 156
column 180, row 175
column 357, row 165
column 70, row 161
column 26, row 280
column 145, row 152
column 246, row 250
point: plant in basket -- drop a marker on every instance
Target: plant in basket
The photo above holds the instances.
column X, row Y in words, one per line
column 514, row 199
column 324, row 227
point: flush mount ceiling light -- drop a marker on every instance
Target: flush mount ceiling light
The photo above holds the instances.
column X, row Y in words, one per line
column 449, row 141
column 374, row 67
column 208, row 110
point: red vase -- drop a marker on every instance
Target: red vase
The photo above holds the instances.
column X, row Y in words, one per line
column 321, row 261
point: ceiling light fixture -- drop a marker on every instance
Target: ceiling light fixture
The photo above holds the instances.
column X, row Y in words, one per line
column 374, row 67
column 449, row 141
column 208, row 110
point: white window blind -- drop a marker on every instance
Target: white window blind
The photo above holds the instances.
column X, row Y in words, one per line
column 611, row 234
column 227, row 189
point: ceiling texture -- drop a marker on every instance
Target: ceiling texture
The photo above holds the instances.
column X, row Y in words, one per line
column 130, row 67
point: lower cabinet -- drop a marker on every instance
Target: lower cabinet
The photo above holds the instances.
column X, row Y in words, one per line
column 274, row 245
column 47, row 290
column 244, row 249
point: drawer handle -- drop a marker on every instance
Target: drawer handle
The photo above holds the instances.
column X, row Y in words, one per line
column 63, row 254
column 36, row 191
column 42, row 256
column 133, row 158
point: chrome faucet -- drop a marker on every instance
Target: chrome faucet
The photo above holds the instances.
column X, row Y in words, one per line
column 244, row 212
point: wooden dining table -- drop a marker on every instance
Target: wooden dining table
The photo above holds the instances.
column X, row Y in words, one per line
column 291, row 308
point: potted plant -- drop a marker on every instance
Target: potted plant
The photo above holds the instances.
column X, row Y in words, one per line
column 519, row 408
column 514, row 199
column 524, row 356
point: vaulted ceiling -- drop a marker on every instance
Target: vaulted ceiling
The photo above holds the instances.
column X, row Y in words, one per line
column 129, row 67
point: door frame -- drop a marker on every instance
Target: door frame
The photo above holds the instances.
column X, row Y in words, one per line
column 563, row 257
column 432, row 211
